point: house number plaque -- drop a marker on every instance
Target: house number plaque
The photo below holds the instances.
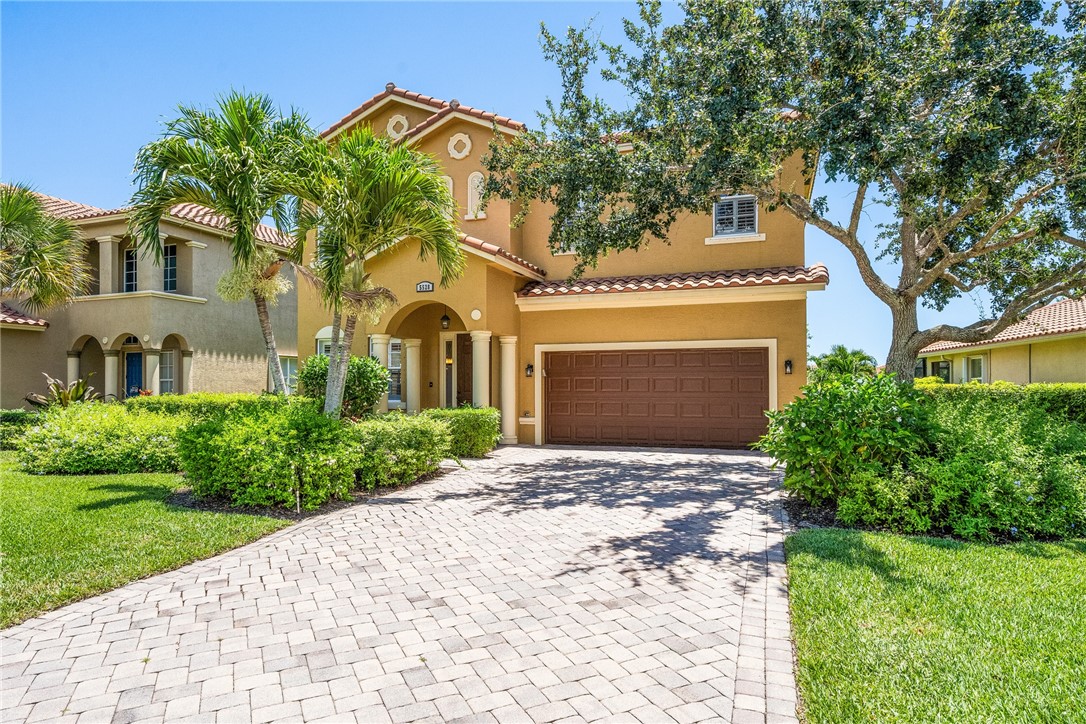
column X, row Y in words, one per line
column 424, row 287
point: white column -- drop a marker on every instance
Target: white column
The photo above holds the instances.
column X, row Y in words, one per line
column 509, row 389
column 186, row 371
column 107, row 264
column 112, row 373
column 151, row 359
column 379, row 349
column 73, row 366
column 414, row 374
column 480, row 368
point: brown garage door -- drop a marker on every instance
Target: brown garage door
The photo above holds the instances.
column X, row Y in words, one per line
column 673, row 397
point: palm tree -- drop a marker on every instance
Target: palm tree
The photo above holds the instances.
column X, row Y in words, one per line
column 42, row 257
column 237, row 160
column 370, row 195
column 842, row 361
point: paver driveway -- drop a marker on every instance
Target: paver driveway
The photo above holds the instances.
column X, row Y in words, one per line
column 539, row 585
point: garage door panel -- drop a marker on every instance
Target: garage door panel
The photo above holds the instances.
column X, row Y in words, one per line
column 666, row 397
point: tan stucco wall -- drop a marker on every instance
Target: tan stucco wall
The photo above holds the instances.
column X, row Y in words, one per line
column 225, row 337
column 1059, row 360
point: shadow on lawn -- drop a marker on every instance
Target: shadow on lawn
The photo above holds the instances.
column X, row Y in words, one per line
column 697, row 499
column 130, row 494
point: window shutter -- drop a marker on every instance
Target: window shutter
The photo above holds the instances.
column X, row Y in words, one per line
column 724, row 213
column 746, row 215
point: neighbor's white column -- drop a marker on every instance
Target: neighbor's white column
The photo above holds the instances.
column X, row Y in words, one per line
column 414, row 374
column 186, row 371
column 73, row 366
column 112, row 373
column 107, row 263
column 151, row 359
column 509, row 389
column 480, row 368
column 379, row 349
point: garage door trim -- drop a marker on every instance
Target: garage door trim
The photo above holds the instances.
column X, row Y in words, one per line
column 541, row 349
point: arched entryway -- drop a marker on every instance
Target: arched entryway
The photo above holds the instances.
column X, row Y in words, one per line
column 87, row 359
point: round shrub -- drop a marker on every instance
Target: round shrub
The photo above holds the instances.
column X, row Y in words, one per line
column 475, row 430
column 291, row 456
column 95, row 437
column 366, row 382
column 842, row 427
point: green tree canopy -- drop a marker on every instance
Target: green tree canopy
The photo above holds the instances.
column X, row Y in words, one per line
column 841, row 360
column 965, row 119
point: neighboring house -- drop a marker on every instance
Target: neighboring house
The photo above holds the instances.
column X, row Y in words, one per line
column 1049, row 345
column 146, row 326
column 685, row 343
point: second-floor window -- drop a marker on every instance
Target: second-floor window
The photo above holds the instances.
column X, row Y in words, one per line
column 733, row 215
column 169, row 268
column 130, row 270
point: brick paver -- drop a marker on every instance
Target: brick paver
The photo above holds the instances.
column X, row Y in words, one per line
column 536, row 585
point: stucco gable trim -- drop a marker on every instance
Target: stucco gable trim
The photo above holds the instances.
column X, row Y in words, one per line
column 351, row 122
column 415, row 134
column 666, row 298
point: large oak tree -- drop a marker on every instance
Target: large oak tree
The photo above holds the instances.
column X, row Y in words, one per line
column 965, row 120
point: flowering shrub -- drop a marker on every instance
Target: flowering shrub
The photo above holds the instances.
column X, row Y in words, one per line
column 291, row 456
column 475, row 430
column 94, row 437
column 397, row 449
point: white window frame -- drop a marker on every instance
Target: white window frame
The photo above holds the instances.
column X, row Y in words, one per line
column 169, row 270
column 967, row 373
column 130, row 267
column 736, row 236
column 395, row 345
column 941, row 362
column 167, row 372
column 324, row 346
column 289, row 365
column 475, row 196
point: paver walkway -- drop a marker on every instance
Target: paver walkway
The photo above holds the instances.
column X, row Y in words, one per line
column 538, row 585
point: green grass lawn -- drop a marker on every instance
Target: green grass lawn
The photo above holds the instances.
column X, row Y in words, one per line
column 63, row 538
column 897, row 629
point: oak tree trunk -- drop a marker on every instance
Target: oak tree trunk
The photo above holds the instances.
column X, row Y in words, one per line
column 906, row 341
column 279, row 383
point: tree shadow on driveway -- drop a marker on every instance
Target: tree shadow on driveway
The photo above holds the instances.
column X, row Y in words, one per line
column 705, row 505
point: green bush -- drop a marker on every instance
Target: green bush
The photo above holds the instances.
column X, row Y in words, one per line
column 200, row 405
column 367, row 380
column 1066, row 400
column 94, row 437
column 841, row 428
column 288, row 455
column 13, row 423
column 475, row 431
column 398, row 449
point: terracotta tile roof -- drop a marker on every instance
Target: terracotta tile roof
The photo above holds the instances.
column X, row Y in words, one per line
column 734, row 279
column 185, row 212
column 435, row 103
column 495, row 250
column 1061, row 317
column 12, row 316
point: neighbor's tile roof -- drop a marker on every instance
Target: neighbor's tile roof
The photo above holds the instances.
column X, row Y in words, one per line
column 181, row 212
column 1062, row 317
column 740, row 278
column 487, row 247
column 12, row 316
column 437, row 104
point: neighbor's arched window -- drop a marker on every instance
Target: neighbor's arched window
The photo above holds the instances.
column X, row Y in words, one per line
column 475, row 196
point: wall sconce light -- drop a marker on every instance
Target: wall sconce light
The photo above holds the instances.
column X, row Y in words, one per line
column 529, row 370
column 788, row 367
column 445, row 319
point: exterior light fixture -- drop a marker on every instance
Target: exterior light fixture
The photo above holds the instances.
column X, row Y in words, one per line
column 445, row 319
column 788, row 367
column 529, row 370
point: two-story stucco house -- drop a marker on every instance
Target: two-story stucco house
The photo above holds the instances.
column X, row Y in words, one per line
column 146, row 326
column 679, row 344
column 1048, row 345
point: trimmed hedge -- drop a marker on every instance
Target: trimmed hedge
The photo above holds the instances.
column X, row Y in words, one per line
column 95, row 437
column 13, row 423
column 398, row 449
column 201, row 405
column 475, row 431
column 1066, row 400
column 289, row 456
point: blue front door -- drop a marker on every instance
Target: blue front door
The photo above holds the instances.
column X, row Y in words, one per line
column 133, row 373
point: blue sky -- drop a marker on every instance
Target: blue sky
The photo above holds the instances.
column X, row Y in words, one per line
column 83, row 85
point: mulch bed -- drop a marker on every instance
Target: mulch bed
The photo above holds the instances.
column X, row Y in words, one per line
column 186, row 499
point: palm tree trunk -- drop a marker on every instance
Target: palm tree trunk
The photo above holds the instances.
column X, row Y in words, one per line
column 341, row 366
column 333, row 400
column 279, row 383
